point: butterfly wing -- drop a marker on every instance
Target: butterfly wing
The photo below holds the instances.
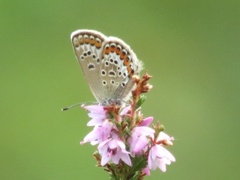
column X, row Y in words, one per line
column 88, row 46
column 119, row 65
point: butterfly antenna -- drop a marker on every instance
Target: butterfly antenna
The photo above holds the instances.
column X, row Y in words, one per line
column 70, row 107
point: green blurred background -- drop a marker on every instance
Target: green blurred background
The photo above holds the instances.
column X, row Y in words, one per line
column 191, row 48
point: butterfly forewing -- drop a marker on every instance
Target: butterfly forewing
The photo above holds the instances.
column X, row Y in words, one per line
column 88, row 46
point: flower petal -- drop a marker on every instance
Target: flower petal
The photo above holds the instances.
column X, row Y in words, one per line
column 146, row 122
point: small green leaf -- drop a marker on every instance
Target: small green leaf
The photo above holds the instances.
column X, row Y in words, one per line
column 141, row 100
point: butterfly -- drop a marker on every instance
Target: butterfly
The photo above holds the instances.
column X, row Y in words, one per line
column 108, row 64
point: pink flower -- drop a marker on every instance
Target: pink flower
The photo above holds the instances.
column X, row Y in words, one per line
column 97, row 113
column 165, row 139
column 99, row 133
column 146, row 171
column 158, row 155
column 146, row 122
column 113, row 149
column 140, row 139
column 98, row 109
column 125, row 110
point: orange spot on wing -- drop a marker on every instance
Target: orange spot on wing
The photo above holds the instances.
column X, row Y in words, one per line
column 106, row 50
column 118, row 51
column 125, row 60
column 98, row 44
column 92, row 42
column 87, row 40
column 81, row 41
column 113, row 48
column 122, row 55
column 129, row 69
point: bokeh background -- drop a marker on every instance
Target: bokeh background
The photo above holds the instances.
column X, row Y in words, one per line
column 191, row 48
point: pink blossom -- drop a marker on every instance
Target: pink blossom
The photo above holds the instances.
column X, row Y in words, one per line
column 140, row 138
column 99, row 133
column 94, row 108
column 125, row 110
column 166, row 139
column 113, row 149
column 146, row 171
column 146, row 122
column 158, row 155
column 97, row 113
